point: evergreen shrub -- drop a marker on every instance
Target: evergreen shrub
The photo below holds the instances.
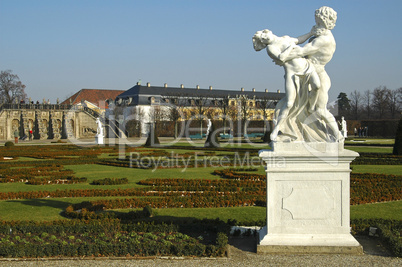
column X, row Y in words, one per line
column 9, row 144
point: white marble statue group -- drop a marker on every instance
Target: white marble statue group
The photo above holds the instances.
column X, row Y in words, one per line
column 302, row 115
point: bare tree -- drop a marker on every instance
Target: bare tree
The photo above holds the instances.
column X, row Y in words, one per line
column 395, row 99
column 156, row 114
column 11, row 88
column 367, row 98
column 266, row 105
column 233, row 113
column 201, row 105
column 355, row 104
column 133, row 118
column 245, row 111
column 381, row 101
column 222, row 105
column 176, row 104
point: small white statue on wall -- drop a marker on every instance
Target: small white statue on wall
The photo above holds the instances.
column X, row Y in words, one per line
column 344, row 129
column 208, row 126
column 99, row 135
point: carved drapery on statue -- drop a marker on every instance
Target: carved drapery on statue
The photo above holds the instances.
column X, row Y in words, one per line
column 301, row 124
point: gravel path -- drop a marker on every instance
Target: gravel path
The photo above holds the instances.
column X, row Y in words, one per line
column 237, row 259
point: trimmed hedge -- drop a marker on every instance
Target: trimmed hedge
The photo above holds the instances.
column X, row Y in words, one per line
column 391, row 236
column 110, row 181
column 108, row 237
column 389, row 231
column 377, row 159
column 40, row 175
column 8, row 144
column 238, row 189
column 374, row 187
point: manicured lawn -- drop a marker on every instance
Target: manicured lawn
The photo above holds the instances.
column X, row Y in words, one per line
column 135, row 175
column 42, row 209
column 225, row 144
column 241, row 214
column 50, row 209
column 370, row 141
column 94, row 172
column 386, row 210
column 370, row 149
column 386, row 169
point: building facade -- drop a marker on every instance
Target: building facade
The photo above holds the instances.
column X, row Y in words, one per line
column 147, row 102
column 75, row 117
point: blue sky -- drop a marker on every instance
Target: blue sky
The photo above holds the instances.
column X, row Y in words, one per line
column 59, row 47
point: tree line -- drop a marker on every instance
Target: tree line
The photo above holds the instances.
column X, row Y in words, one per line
column 380, row 103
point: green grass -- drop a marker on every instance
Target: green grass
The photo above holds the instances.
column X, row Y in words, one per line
column 30, row 159
column 43, row 209
column 387, row 210
column 386, row 169
column 241, row 214
column 134, row 175
column 371, row 141
column 369, row 149
column 224, row 144
column 50, row 209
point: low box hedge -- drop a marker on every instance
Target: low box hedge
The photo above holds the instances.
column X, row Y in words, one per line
column 108, row 237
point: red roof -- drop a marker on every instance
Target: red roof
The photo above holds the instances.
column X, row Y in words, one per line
column 95, row 96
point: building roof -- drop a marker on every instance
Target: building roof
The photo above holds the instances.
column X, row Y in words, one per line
column 95, row 96
column 141, row 90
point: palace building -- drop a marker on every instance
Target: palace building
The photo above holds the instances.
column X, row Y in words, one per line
column 75, row 116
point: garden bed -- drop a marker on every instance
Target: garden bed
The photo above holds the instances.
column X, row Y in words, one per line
column 103, row 238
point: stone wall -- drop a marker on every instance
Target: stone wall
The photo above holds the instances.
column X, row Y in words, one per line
column 46, row 123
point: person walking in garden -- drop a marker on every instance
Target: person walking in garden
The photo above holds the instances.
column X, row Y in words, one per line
column 16, row 135
column 30, row 135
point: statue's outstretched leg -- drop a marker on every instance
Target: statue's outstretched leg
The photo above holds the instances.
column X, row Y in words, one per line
column 315, row 84
column 290, row 86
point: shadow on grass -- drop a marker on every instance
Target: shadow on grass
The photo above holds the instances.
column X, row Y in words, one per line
column 43, row 202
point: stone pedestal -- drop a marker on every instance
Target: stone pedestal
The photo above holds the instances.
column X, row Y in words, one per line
column 99, row 139
column 308, row 199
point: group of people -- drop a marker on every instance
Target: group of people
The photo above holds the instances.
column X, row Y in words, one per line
column 17, row 135
column 303, row 115
column 361, row 131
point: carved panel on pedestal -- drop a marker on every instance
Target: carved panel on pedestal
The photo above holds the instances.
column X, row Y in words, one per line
column 310, row 203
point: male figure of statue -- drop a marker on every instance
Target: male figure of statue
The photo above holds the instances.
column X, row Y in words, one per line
column 319, row 51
